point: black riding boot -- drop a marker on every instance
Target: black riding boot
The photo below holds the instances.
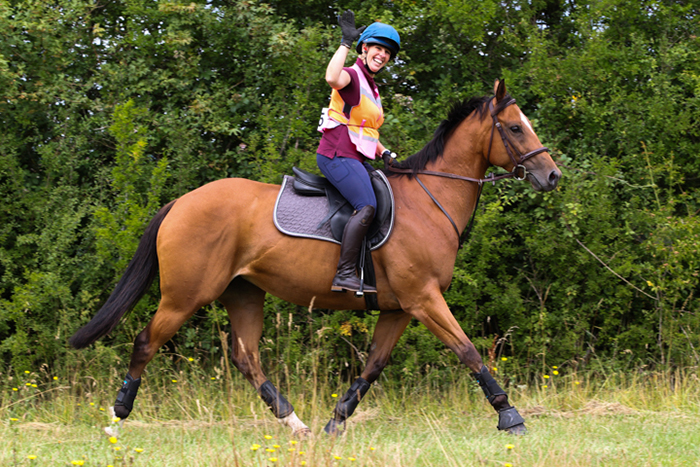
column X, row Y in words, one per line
column 350, row 247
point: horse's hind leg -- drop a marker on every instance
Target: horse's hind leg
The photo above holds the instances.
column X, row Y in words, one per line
column 170, row 317
column 244, row 303
column 387, row 332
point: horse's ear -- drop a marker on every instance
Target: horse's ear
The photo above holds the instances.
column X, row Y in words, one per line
column 499, row 89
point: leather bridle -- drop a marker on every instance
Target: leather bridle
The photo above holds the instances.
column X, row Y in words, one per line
column 519, row 171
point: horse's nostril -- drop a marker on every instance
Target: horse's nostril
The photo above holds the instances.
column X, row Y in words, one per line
column 554, row 176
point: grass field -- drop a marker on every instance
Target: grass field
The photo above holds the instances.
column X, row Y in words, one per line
column 575, row 421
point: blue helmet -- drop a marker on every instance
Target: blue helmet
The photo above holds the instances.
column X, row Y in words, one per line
column 382, row 34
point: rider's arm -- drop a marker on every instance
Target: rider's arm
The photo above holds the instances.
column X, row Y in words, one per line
column 336, row 77
column 380, row 148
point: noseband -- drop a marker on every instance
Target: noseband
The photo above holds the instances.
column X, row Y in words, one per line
column 519, row 171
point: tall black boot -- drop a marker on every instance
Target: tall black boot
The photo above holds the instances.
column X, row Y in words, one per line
column 350, row 247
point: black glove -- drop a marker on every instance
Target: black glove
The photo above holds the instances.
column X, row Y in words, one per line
column 347, row 26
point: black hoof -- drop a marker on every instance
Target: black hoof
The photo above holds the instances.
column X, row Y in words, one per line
column 121, row 411
column 517, row 430
column 334, row 427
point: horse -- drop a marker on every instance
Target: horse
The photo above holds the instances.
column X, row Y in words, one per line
column 218, row 242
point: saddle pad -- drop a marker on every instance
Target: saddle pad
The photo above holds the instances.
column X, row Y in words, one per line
column 299, row 216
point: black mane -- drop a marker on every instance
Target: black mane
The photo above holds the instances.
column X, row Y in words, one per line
column 434, row 149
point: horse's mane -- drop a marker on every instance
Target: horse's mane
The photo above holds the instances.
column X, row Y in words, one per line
column 434, row 149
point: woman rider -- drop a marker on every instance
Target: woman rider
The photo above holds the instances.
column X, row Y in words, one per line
column 350, row 135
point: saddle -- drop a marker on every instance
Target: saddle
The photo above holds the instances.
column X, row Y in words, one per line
column 339, row 210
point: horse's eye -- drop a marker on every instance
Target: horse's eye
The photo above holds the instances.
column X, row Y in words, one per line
column 516, row 129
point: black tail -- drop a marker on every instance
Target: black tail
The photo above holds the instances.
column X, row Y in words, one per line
column 134, row 283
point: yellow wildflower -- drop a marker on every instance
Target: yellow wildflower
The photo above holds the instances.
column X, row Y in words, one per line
column 174, row 381
column 509, row 446
column 507, row 464
column 31, row 457
column 546, row 376
column 55, row 378
column 650, row 283
column 291, row 449
column 14, row 419
column 34, row 385
column 504, row 359
column 272, row 459
column 116, row 419
column 293, row 442
column 337, row 458
column 80, row 462
column 15, row 389
column 190, row 359
column 26, row 372
column 334, row 395
column 92, row 404
column 555, row 372
column 555, row 367
column 276, row 446
column 303, row 462
column 138, row 449
column 268, row 437
column 544, row 387
column 113, row 439
column 270, row 450
column 351, row 459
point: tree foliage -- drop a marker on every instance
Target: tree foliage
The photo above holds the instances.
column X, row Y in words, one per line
column 111, row 109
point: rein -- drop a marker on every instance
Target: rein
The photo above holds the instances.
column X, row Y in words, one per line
column 519, row 171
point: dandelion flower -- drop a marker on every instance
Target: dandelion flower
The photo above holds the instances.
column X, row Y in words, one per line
column 268, row 437
column 545, row 386
column 270, row 450
column 292, row 449
column 80, row 462
column 255, row 447
column 510, row 446
column 371, row 448
column 546, row 376
column 504, row 359
column 213, row 378
column 303, row 462
column 117, row 448
column 555, row 367
column 276, row 446
column 650, row 283
column 15, row 389
column 116, row 419
column 334, row 395
column 55, row 378
column 26, row 372
column 113, row 439
column 337, row 458
column 301, row 453
column 293, row 442
column 555, row 372
column 92, row 404
column 272, row 459
column 495, row 369
column 190, row 359
column 577, row 382
column 31, row 457
column 351, row 459
column 34, row 385
column 28, row 384
column 138, row 449
column 507, row 464
column 174, row 381
column 14, row 419
column 102, row 409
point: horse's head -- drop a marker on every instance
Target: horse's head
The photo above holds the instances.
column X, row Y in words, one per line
column 514, row 145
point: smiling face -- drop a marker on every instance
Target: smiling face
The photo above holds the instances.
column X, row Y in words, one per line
column 377, row 57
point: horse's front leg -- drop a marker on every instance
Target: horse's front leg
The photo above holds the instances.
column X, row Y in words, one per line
column 389, row 328
column 430, row 308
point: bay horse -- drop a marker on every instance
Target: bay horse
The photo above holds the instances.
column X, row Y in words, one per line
column 219, row 242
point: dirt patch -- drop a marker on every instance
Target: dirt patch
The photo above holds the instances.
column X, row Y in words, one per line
column 594, row 407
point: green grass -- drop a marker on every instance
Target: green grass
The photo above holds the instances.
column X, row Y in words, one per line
column 650, row 420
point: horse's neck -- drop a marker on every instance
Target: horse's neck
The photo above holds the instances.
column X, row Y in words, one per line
column 463, row 155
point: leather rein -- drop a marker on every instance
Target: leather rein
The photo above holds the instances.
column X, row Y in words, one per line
column 519, row 171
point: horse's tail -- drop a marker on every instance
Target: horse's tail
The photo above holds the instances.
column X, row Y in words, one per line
column 131, row 287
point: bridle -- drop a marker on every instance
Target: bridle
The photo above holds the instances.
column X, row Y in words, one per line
column 519, row 171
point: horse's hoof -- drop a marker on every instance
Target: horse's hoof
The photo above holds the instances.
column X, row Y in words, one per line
column 303, row 433
column 517, row 430
column 334, row 427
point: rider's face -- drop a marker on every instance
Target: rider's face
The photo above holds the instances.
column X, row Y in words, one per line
column 377, row 57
